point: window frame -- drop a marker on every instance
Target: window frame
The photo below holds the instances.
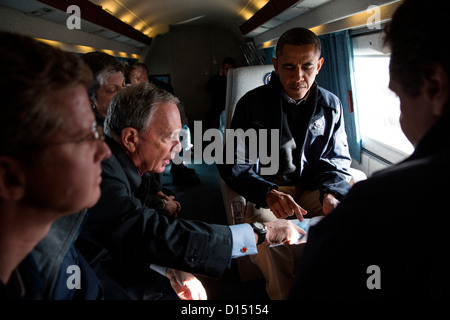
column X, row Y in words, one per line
column 386, row 153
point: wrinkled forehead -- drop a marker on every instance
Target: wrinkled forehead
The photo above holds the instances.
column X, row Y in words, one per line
column 165, row 116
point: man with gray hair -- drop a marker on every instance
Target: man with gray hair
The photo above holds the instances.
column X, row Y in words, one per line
column 142, row 126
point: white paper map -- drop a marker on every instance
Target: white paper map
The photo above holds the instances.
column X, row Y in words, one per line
column 305, row 225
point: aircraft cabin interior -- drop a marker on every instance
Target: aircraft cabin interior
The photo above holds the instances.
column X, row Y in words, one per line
column 183, row 44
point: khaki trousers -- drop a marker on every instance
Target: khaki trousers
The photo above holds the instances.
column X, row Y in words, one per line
column 279, row 263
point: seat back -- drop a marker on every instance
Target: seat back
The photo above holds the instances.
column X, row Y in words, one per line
column 239, row 82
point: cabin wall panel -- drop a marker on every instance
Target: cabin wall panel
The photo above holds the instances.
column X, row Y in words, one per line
column 191, row 55
column 369, row 164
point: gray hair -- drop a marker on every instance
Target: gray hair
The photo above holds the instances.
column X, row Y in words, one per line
column 102, row 65
column 134, row 107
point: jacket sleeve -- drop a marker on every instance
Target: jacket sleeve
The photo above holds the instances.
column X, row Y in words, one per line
column 242, row 175
column 332, row 170
column 120, row 223
column 155, row 186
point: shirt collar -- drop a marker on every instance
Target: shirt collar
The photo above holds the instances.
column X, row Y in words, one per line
column 293, row 101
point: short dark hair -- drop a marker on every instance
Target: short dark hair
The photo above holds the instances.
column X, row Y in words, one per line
column 417, row 38
column 229, row 60
column 298, row 37
column 32, row 72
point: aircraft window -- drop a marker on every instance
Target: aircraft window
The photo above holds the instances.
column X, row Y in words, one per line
column 378, row 107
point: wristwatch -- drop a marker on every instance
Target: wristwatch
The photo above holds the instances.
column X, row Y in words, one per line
column 261, row 230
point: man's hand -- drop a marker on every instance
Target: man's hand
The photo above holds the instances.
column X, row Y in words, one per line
column 172, row 207
column 329, row 203
column 283, row 205
column 282, row 231
column 186, row 285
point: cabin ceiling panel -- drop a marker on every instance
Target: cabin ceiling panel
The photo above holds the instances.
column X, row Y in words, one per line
column 253, row 18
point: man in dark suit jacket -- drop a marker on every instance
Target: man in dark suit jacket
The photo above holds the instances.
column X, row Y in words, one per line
column 142, row 126
column 389, row 237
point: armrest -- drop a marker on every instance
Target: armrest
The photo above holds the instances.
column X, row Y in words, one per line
column 230, row 199
column 357, row 175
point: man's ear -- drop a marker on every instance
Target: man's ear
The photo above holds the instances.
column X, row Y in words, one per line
column 12, row 179
column 130, row 138
column 436, row 89
column 319, row 65
column 275, row 64
column 93, row 103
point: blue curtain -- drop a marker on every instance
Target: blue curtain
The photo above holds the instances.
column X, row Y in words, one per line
column 269, row 53
column 336, row 76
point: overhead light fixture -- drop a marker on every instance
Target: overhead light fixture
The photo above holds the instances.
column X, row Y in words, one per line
column 190, row 20
column 39, row 12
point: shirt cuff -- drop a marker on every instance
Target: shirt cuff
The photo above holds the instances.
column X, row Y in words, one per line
column 243, row 240
column 159, row 269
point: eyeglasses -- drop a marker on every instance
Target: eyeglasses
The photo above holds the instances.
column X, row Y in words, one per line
column 96, row 134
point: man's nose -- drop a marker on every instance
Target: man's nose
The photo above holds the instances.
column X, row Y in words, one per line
column 175, row 149
column 298, row 74
column 103, row 151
